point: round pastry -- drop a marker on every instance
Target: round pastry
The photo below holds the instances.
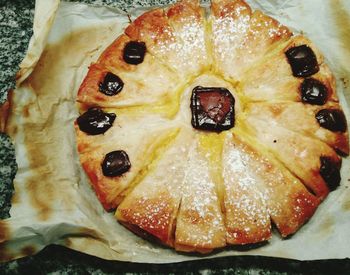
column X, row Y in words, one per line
column 203, row 131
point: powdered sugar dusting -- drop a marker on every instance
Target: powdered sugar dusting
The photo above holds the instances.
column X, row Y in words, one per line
column 190, row 35
column 245, row 206
column 200, row 222
column 228, row 34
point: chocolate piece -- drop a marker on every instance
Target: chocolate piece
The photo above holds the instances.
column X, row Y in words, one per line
column 111, row 85
column 313, row 92
column 115, row 163
column 95, row 121
column 212, row 109
column 302, row 60
column 134, row 52
column 329, row 171
column 332, row 119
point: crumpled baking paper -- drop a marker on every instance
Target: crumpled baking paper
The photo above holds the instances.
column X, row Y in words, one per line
column 54, row 202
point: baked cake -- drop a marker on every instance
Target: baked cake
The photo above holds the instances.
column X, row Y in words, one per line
column 202, row 129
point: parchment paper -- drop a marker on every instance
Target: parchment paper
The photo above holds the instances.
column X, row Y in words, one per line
column 54, row 202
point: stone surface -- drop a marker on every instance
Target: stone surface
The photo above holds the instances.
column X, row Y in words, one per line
column 8, row 170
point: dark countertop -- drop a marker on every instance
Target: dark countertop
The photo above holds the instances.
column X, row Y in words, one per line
column 15, row 31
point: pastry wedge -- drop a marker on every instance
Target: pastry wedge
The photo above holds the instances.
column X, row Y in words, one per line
column 301, row 118
column 140, row 140
column 189, row 25
column 261, row 84
column 277, row 193
column 247, row 218
column 311, row 160
column 200, row 223
column 152, row 206
column 241, row 37
column 162, row 41
column 147, row 83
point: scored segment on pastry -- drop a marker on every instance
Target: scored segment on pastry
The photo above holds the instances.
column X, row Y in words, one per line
column 153, row 204
column 241, row 37
column 203, row 131
column 141, row 137
column 128, row 84
column 259, row 84
column 297, row 151
column 176, row 36
column 301, row 118
column 200, row 223
column 288, row 202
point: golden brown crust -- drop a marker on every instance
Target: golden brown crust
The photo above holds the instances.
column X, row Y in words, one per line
column 241, row 38
column 155, row 216
column 129, row 134
column 246, row 214
column 300, row 154
column 89, row 89
column 185, row 10
column 153, row 204
column 151, row 23
column 189, row 192
column 180, row 44
column 230, row 8
column 188, row 22
column 153, row 28
column 106, row 189
column 301, row 208
column 288, row 202
column 200, row 223
column 139, row 81
column 112, row 57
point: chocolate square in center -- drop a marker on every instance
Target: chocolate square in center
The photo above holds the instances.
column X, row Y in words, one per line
column 212, row 109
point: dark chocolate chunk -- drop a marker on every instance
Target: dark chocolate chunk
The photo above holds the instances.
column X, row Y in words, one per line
column 302, row 60
column 329, row 171
column 111, row 85
column 212, row 109
column 313, row 92
column 134, row 52
column 95, row 121
column 332, row 119
column 115, row 163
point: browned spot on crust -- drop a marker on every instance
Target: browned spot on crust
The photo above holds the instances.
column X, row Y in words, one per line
column 152, row 215
column 304, row 206
column 154, row 23
column 239, row 236
column 26, row 111
column 276, row 110
column 11, row 129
